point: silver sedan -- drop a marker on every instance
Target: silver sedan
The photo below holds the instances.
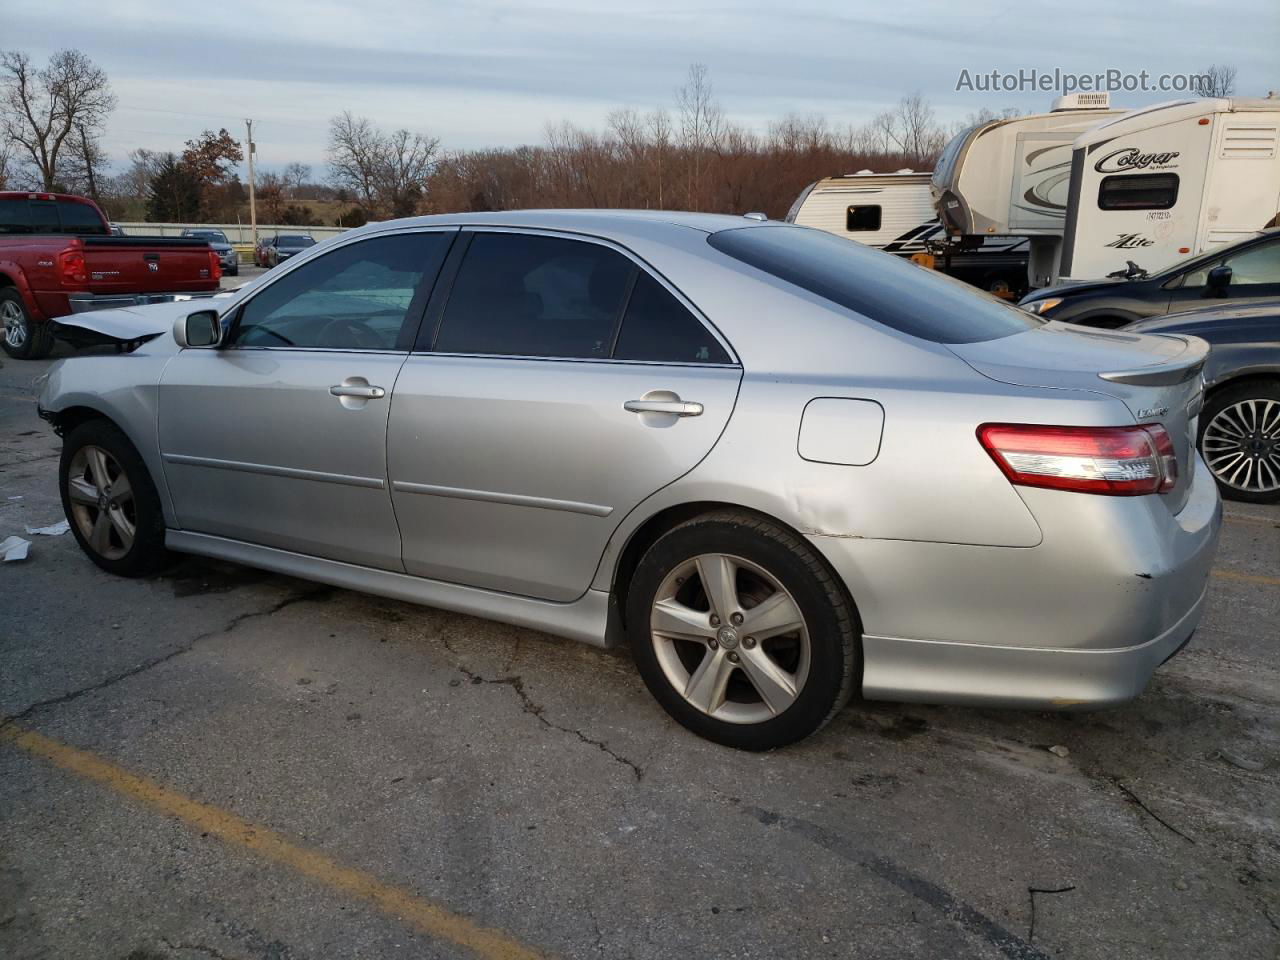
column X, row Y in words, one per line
column 783, row 467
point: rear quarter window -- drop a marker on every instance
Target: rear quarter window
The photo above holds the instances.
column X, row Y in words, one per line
column 880, row 286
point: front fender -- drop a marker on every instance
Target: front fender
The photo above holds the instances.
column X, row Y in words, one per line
column 123, row 388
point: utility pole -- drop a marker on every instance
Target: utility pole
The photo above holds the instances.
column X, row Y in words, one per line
column 253, row 209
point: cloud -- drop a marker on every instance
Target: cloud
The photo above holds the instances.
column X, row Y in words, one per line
column 493, row 72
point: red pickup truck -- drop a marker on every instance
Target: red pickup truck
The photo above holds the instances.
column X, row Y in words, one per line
column 58, row 257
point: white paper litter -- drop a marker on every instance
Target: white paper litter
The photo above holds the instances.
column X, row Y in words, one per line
column 53, row 530
column 13, row 548
column 16, row 498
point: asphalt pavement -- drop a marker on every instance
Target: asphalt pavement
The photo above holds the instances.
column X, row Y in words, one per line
column 219, row 762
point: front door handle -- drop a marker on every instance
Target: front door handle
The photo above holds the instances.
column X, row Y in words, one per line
column 674, row 408
column 364, row 392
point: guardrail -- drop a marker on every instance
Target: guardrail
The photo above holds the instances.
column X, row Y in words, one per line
column 237, row 233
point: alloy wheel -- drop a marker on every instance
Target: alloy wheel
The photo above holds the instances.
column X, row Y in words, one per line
column 1241, row 445
column 730, row 638
column 15, row 324
column 102, row 502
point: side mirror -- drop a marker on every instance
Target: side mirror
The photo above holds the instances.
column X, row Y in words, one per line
column 200, row 329
column 1219, row 277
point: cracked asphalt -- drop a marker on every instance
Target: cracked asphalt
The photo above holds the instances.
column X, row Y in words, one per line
column 258, row 767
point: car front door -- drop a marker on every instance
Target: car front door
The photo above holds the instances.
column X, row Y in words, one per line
column 1255, row 275
column 278, row 437
column 556, row 384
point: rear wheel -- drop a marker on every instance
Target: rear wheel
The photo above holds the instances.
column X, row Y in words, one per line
column 23, row 337
column 741, row 632
column 1240, row 440
column 110, row 501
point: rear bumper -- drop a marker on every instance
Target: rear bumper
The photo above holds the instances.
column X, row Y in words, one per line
column 87, row 302
column 1115, row 588
column 936, row 671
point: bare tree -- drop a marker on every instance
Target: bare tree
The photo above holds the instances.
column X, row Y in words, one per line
column 1218, row 80
column 86, row 166
column 388, row 172
column 41, row 108
column 296, row 175
column 701, row 123
column 909, row 130
column 6, row 164
column 658, row 125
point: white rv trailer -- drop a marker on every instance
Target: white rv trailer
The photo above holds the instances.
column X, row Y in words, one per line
column 894, row 212
column 879, row 209
column 1012, row 176
column 1171, row 180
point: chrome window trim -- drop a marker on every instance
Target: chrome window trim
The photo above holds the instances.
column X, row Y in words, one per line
column 640, row 264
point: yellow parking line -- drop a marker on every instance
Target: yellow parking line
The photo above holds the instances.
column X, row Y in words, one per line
column 1247, row 577
column 431, row 918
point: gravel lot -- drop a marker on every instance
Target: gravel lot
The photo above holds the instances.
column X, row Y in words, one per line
column 224, row 763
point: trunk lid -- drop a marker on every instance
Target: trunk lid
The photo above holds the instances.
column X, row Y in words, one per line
column 1157, row 377
column 148, row 265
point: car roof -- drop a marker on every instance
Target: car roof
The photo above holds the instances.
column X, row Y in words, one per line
column 586, row 220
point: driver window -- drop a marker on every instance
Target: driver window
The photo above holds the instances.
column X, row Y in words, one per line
column 358, row 297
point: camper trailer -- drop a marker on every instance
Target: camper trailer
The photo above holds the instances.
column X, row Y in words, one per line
column 1012, row 177
column 1169, row 181
column 894, row 212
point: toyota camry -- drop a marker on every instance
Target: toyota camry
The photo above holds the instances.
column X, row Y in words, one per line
column 782, row 467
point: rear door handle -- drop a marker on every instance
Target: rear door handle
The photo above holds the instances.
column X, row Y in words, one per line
column 675, row 408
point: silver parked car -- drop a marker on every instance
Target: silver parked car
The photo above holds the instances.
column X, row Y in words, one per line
column 784, row 467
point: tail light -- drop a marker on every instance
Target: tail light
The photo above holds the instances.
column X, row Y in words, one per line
column 72, row 267
column 215, row 265
column 1114, row 461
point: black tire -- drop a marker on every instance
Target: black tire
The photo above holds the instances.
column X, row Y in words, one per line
column 1262, row 392
column 147, row 554
column 34, row 340
column 832, row 623
column 234, row 271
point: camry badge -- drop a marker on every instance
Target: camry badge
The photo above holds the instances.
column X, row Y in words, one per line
column 1152, row 412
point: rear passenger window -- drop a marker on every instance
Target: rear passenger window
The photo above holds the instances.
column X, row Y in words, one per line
column 520, row 295
column 657, row 327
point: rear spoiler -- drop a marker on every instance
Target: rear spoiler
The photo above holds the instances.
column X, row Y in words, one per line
column 1186, row 366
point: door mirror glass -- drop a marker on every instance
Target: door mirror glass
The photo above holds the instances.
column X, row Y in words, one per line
column 201, row 329
column 1220, row 276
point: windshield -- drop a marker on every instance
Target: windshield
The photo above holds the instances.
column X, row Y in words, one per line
column 885, row 288
column 216, row 235
column 288, row 241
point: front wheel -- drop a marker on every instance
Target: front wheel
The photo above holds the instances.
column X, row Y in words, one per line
column 1240, row 440
column 741, row 631
column 110, row 501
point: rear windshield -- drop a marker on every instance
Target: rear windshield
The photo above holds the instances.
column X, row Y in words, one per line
column 889, row 290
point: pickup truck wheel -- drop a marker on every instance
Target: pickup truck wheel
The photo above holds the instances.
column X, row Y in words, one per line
column 23, row 338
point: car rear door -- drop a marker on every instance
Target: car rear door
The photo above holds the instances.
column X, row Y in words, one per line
column 557, row 383
column 279, row 437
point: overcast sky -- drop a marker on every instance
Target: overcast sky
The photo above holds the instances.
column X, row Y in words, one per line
column 494, row 72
